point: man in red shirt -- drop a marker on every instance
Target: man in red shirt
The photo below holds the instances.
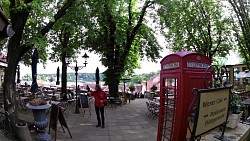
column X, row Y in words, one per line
column 100, row 98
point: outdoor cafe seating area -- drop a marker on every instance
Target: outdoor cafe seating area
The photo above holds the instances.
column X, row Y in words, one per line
column 241, row 89
column 244, row 104
column 152, row 104
column 51, row 94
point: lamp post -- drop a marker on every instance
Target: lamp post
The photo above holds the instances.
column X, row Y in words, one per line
column 76, row 68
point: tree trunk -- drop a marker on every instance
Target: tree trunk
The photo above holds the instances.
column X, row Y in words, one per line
column 64, row 77
column 15, row 52
column 113, row 82
column 10, row 104
column 64, row 40
column 14, row 55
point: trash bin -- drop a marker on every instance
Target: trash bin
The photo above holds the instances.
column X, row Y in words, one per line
column 23, row 131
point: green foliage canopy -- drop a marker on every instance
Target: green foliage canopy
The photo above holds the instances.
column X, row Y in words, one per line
column 196, row 26
column 115, row 29
column 241, row 17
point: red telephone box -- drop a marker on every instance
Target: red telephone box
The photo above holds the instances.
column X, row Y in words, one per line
column 180, row 73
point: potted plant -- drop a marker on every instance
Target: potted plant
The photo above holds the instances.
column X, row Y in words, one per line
column 132, row 89
column 39, row 106
column 235, row 112
column 247, row 88
column 153, row 88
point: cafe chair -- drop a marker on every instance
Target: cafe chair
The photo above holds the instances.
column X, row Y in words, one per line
column 156, row 110
column 118, row 102
column 70, row 100
column 149, row 109
column 64, row 106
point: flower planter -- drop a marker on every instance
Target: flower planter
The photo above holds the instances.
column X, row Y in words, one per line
column 40, row 121
column 234, row 120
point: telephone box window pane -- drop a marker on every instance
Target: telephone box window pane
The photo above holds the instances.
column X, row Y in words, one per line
column 169, row 107
column 170, row 82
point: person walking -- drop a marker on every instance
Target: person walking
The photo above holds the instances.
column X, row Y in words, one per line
column 100, row 100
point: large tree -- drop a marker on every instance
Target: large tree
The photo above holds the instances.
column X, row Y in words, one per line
column 196, row 26
column 24, row 16
column 66, row 39
column 117, row 31
column 241, row 10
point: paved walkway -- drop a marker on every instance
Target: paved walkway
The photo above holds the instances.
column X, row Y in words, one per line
column 126, row 123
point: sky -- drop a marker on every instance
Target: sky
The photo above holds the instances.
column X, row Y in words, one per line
column 93, row 63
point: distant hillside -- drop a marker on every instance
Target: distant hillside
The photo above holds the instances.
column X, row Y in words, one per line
column 87, row 77
column 82, row 77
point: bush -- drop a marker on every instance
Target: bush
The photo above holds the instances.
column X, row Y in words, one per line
column 235, row 105
column 153, row 88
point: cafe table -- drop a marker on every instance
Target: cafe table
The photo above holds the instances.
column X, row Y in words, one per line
column 246, row 102
column 110, row 101
column 22, row 101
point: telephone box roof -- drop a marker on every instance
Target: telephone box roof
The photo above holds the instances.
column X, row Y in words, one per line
column 184, row 53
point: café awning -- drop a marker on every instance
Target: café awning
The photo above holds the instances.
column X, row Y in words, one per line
column 244, row 74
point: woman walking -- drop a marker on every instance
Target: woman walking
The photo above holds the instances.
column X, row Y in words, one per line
column 100, row 98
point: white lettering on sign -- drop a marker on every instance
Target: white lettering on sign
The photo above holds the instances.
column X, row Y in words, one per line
column 171, row 65
column 196, row 65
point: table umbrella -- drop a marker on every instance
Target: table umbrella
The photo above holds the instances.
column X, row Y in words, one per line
column 57, row 76
column 97, row 77
column 244, row 74
column 87, row 88
column 34, row 86
column 18, row 74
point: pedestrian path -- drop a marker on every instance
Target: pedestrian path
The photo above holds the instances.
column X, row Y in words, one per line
column 126, row 123
column 3, row 138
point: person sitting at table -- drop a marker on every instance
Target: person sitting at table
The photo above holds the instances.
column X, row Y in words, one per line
column 100, row 99
column 64, row 96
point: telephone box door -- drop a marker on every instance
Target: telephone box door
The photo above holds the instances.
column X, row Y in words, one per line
column 168, row 103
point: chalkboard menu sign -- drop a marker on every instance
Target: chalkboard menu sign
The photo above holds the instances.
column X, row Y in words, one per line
column 55, row 115
column 84, row 102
